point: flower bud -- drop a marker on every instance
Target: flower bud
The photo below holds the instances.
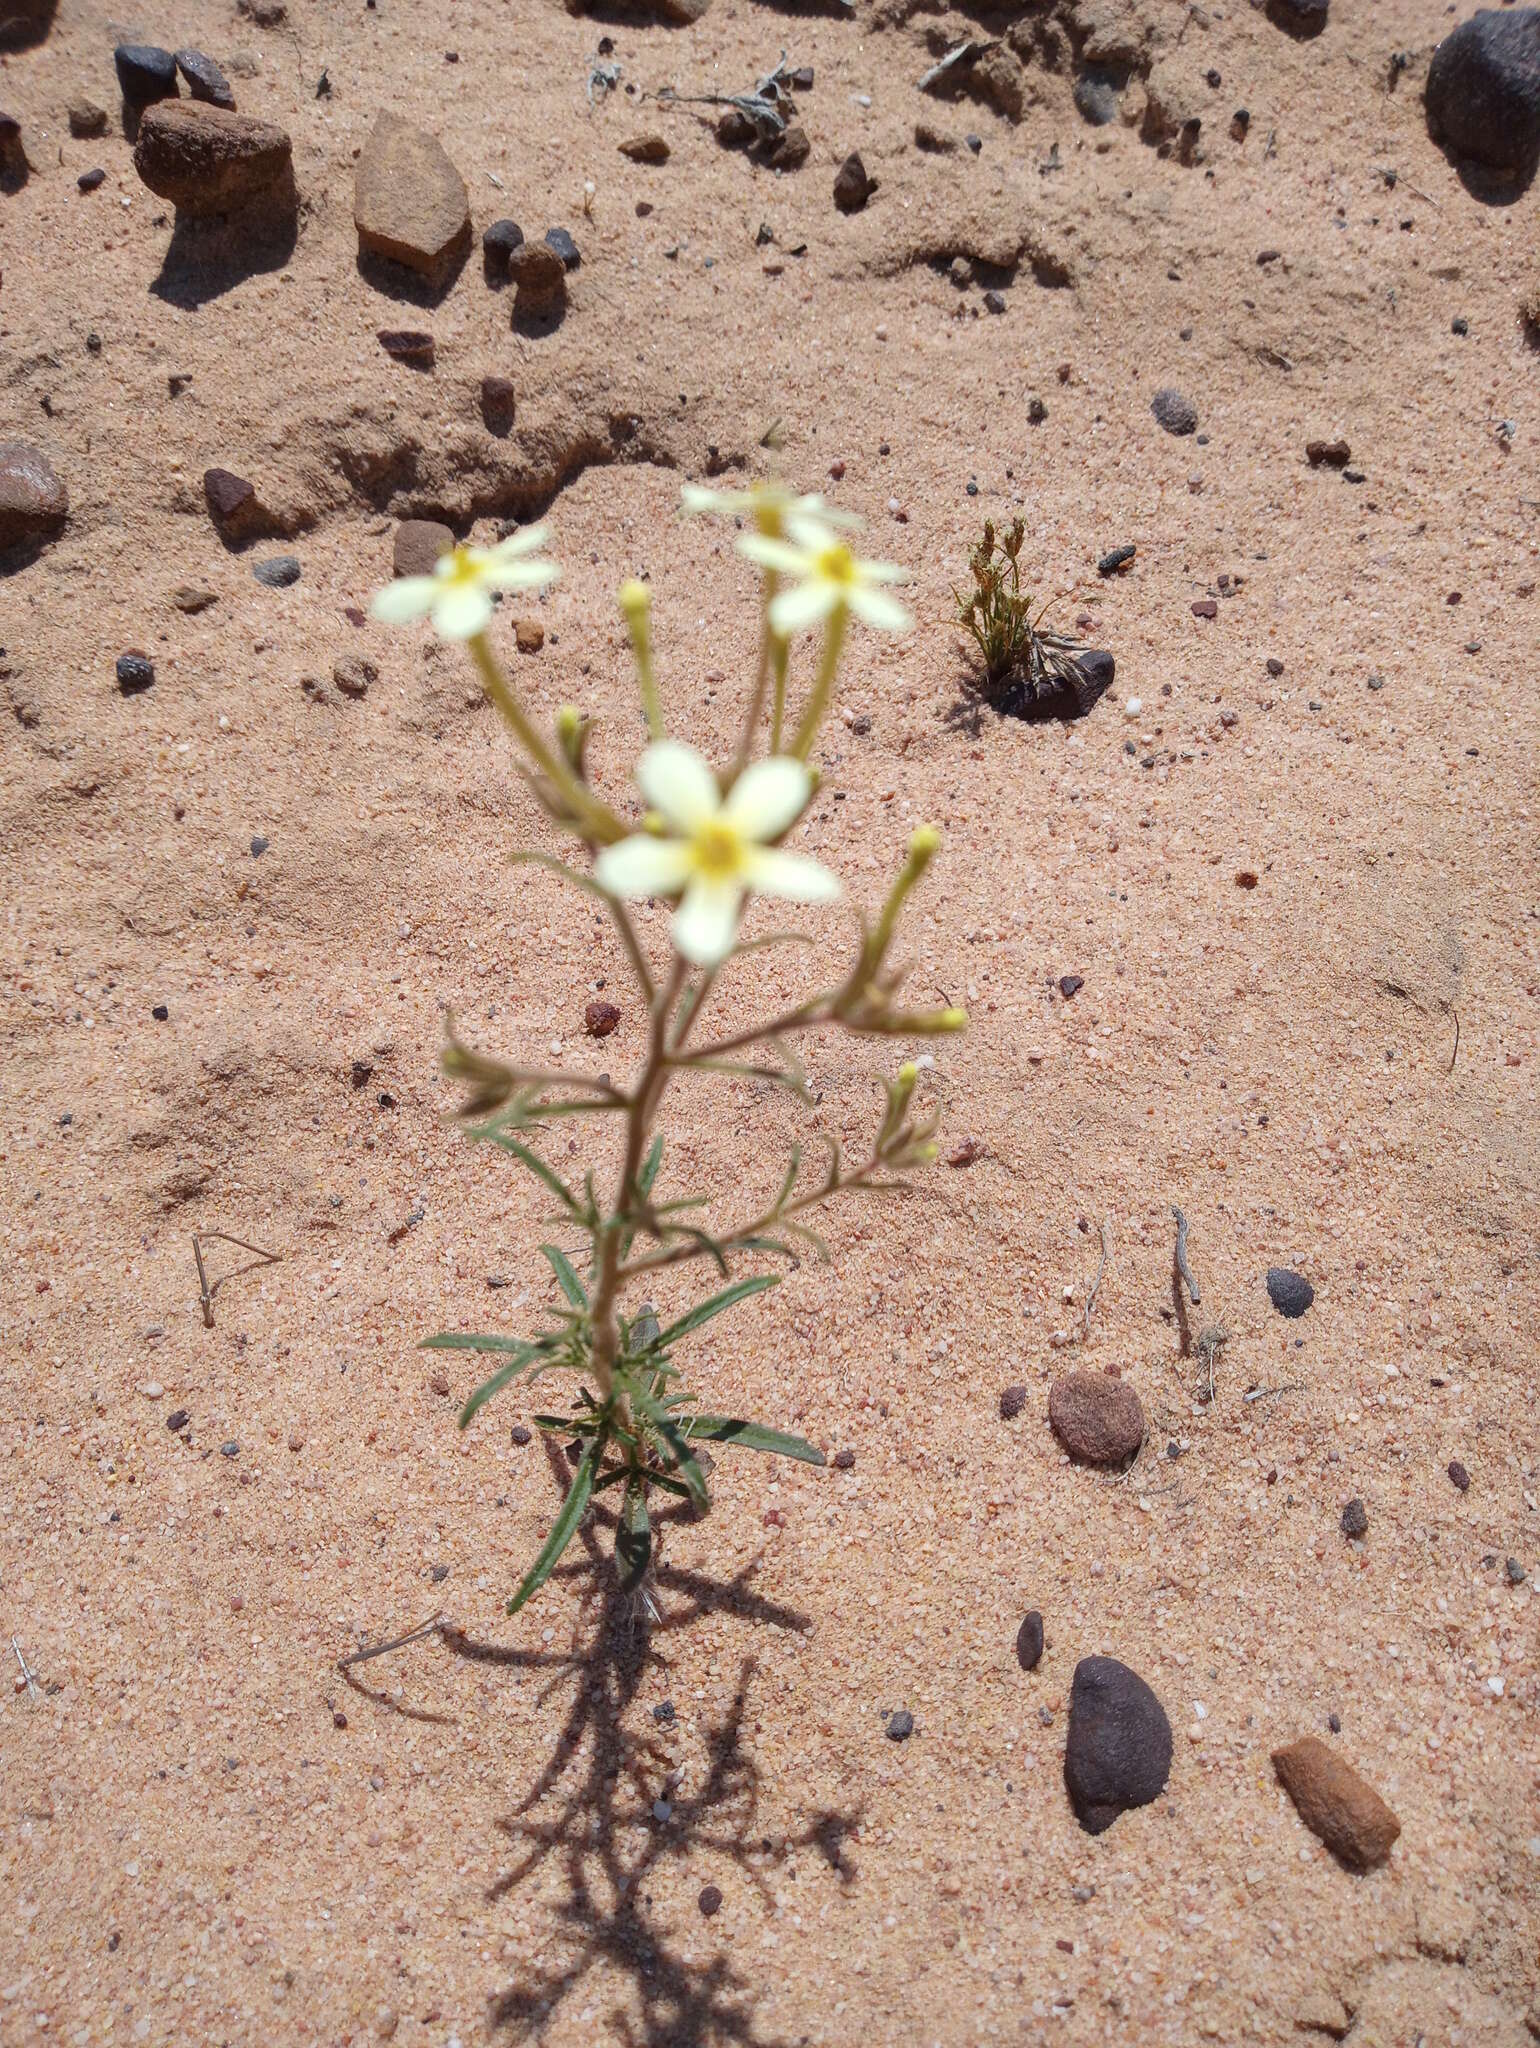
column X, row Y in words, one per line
column 635, row 601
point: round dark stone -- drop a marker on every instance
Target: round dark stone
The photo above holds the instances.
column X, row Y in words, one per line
column 994, row 302
column 1289, row 1292
column 136, row 672
column 1459, row 324
column 1178, row 415
column 1483, row 90
column 278, row 572
column 176, row 1420
column 1458, row 1476
column 564, row 246
column 160, row 1012
column 1355, row 1518
column 520, row 1435
column 1274, row 666
column 844, row 1460
column 1012, row 1401
column 1029, row 1641
column 259, row 846
column 663, row 1713
column 500, row 240
column 205, row 80
column 1515, row 1571
column 900, row 1725
column 1118, row 1751
column 710, row 1901
column 852, row 187
column 145, row 73
column 89, row 180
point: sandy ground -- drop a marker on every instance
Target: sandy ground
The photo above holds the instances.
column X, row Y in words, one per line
column 208, row 1836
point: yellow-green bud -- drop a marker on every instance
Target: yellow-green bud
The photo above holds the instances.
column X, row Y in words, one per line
column 908, row 1074
column 952, row 1020
column 924, row 841
column 635, row 599
column 926, row 1153
column 569, row 723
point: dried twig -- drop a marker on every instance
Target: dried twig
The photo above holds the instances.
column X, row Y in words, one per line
column 1212, row 1341
column 1266, row 1393
column 960, row 58
column 1182, row 1266
column 1101, row 1267
column 435, row 1625
column 32, row 1688
column 207, row 1290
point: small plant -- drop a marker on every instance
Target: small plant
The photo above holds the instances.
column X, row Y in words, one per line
column 709, row 839
column 1019, row 663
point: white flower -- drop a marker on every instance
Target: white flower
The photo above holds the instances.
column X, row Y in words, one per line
column 829, row 580
column 770, row 505
column 721, row 853
column 458, row 595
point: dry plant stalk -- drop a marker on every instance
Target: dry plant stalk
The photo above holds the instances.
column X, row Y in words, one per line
column 711, row 837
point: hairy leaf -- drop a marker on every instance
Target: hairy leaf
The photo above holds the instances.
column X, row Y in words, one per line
column 703, row 1311
column 751, row 1436
column 563, row 1528
column 566, row 1275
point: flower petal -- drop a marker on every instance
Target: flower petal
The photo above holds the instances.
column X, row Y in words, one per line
column 524, row 542
column 779, row 555
column 883, row 572
column 696, row 498
column 643, row 866
column 504, row 575
column 410, row 597
column 804, row 605
column 706, row 923
column 770, row 872
column 768, row 797
column 678, row 781
column 876, row 608
column 461, row 612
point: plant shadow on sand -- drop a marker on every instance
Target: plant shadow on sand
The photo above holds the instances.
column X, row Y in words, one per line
column 595, row 1809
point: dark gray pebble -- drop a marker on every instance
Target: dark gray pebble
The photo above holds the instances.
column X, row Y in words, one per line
column 499, row 241
column 136, row 672
column 259, row 846
column 1029, row 1641
column 1118, row 1751
column 663, row 1713
column 519, row 1434
column 89, row 180
column 1172, row 411
column 1070, row 985
column 230, row 1450
column 710, row 1901
column 1355, row 1518
column 160, row 1012
column 1458, row 1476
column 278, row 572
column 843, row 1460
column 1515, row 1571
column 994, row 302
column 176, row 1420
column 1012, row 1401
column 1483, row 90
column 1115, row 559
column 1289, row 1292
column 852, row 187
column 205, row 80
column 1459, row 324
column 900, row 1725
column 145, row 73
column 1097, row 101
column 562, row 243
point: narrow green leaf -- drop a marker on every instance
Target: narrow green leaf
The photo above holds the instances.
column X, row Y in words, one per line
column 536, row 1165
column 653, row 1412
column 566, row 1276
column 633, row 1538
column 563, row 1528
column 751, row 1436
column 642, row 1334
column 703, row 1311
column 500, row 1379
column 466, row 1340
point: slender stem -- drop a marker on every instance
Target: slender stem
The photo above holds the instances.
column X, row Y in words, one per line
column 780, row 655
column 633, row 946
column 597, row 819
column 823, row 683
column 816, row 1010
column 677, row 1254
column 761, row 682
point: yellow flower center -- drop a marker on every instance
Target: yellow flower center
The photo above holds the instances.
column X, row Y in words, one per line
column 836, row 564
column 458, row 567
column 718, row 851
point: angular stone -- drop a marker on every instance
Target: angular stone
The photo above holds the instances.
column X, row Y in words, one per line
column 1336, row 1804
column 206, row 160
column 559, row 240
column 419, row 543
column 205, row 80
column 1098, row 1419
column 1483, row 89
column 353, row 674
column 145, row 73
column 409, row 201
column 1118, row 1749
column 646, row 149
column 852, row 187
column 232, row 503
column 34, row 504
column 87, row 120
column 541, row 278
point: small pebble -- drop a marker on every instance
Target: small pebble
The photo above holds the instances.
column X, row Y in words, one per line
column 1458, row 1476
column 231, row 1449
column 205, row 80
column 1071, row 985
column 663, row 1713
column 277, row 572
column 994, row 302
column 1289, row 1292
column 1173, row 411
column 710, row 1901
column 844, row 1460
column 520, row 1435
column 1029, row 1641
column 160, row 1012
column 135, row 672
column 176, row 1420
column 900, row 1725
column 561, row 242
column 259, row 846
column 600, row 1019
column 1274, row 666
column 145, row 73
column 1355, row 1518
column 1515, row 1571
column 1012, row 1401
column 89, row 180
column 1116, row 559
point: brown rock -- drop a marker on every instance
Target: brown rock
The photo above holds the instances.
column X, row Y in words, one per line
column 408, row 345
column 232, row 503
column 188, row 597
column 646, row 149
column 1098, row 1419
column 33, row 502
column 793, row 149
column 529, row 634
column 265, row 13
column 1335, row 454
column 852, row 187
column 600, row 1019
column 353, row 675
column 208, row 160
column 87, row 120
column 497, row 403
column 409, row 201
column 540, row 277
column 419, row 543
column 1335, row 1803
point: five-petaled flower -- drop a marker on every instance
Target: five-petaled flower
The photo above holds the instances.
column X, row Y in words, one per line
column 721, row 851
column 458, row 595
column 769, row 505
column 829, row 580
